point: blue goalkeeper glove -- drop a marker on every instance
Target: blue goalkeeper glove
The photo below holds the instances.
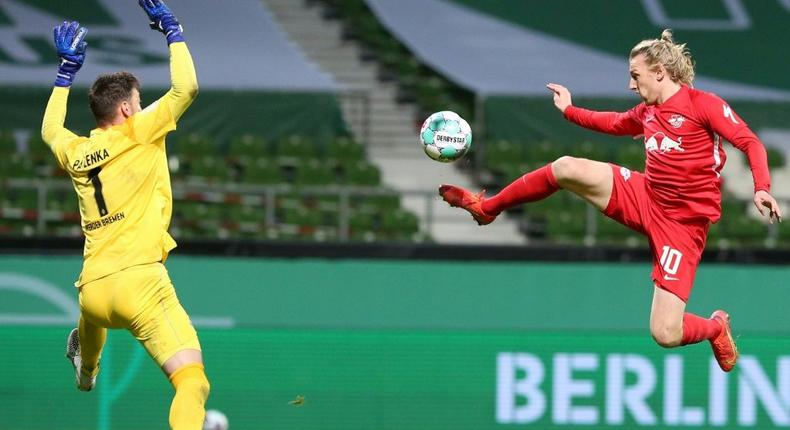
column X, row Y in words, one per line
column 71, row 45
column 162, row 19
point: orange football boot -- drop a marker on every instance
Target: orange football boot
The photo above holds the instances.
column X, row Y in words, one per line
column 465, row 199
column 723, row 345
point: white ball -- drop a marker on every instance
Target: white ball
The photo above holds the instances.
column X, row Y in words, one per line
column 445, row 136
column 215, row 420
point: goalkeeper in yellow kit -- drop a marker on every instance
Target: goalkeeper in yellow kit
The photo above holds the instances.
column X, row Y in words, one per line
column 121, row 177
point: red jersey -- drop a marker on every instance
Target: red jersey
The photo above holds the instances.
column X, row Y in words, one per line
column 684, row 153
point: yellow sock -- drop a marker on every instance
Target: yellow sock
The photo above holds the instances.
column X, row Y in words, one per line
column 92, row 340
column 187, row 410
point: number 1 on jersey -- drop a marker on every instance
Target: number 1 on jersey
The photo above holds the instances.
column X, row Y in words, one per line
column 93, row 175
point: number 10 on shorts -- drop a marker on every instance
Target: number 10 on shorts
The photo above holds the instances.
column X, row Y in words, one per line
column 670, row 259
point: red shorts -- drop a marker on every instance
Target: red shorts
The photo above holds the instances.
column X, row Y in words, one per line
column 676, row 247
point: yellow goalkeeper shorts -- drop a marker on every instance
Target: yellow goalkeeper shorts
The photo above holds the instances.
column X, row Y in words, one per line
column 141, row 299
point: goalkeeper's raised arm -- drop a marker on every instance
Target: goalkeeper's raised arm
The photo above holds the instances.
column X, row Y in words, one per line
column 70, row 45
column 183, row 80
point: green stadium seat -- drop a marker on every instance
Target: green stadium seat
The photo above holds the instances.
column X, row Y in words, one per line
column 408, row 68
column 209, row 169
column 313, row 172
column 461, row 106
column 543, row 152
column 344, row 149
column 21, row 198
column 329, row 202
column 63, row 229
column 745, row 231
column 431, row 92
column 328, row 205
column 196, row 145
column 776, row 158
column 361, row 173
column 200, row 220
column 360, row 222
column 631, row 156
column 198, row 212
column 37, row 149
column 329, row 218
column 302, row 216
column 783, row 237
column 501, row 154
column 17, row 166
column 296, row 148
column 384, row 200
column 249, row 146
column 302, row 224
column 7, row 144
column 732, row 208
column 567, row 226
column 714, row 239
column 611, row 231
column 17, row 227
column 63, row 201
column 185, row 210
column 382, row 42
column 557, row 202
column 247, row 213
column 184, row 232
column 261, row 171
column 591, row 151
column 400, row 224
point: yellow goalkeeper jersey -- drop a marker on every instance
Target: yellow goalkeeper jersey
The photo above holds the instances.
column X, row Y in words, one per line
column 121, row 176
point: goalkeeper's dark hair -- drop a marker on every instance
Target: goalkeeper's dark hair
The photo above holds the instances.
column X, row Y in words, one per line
column 108, row 91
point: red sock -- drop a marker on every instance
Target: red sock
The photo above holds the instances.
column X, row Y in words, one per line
column 533, row 186
column 696, row 329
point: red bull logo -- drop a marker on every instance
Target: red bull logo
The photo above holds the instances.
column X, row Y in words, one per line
column 660, row 142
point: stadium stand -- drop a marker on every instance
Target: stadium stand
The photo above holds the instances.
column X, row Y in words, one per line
column 293, row 189
column 276, row 156
column 344, row 38
column 523, row 132
column 290, row 163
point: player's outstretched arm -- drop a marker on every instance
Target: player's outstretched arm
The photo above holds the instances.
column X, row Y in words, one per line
column 71, row 47
column 616, row 123
column 183, row 80
column 725, row 122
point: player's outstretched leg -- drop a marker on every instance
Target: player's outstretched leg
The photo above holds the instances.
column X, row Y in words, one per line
column 724, row 348
column 85, row 378
column 533, row 186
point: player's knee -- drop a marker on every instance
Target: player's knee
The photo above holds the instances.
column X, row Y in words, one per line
column 192, row 380
column 201, row 387
column 566, row 169
column 204, row 387
column 666, row 336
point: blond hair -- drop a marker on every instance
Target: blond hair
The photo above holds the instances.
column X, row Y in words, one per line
column 675, row 58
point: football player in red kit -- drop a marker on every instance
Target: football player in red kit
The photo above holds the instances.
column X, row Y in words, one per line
column 673, row 202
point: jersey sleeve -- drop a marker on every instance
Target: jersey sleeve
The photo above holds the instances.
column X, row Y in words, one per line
column 153, row 123
column 53, row 132
column 160, row 118
column 616, row 123
column 723, row 121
